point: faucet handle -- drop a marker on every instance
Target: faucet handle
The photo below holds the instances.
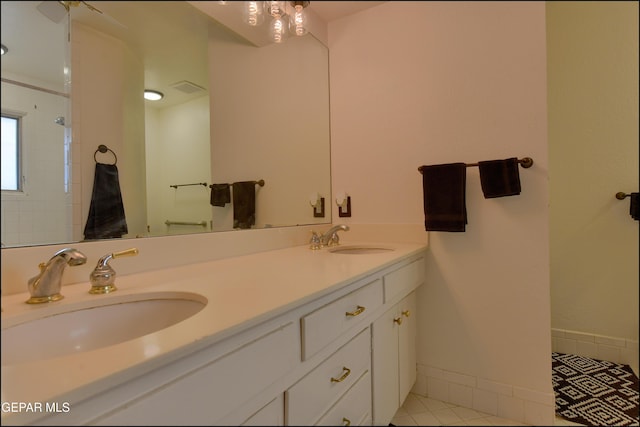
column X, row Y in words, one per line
column 315, row 242
column 126, row 252
column 103, row 277
column 334, row 240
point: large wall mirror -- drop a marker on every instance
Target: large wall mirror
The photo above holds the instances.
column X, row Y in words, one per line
column 232, row 112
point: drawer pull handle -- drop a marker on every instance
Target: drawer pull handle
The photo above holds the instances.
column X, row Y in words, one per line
column 398, row 320
column 359, row 310
column 344, row 376
column 406, row 313
column 346, row 422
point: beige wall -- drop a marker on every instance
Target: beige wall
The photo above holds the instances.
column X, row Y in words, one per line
column 108, row 110
column 416, row 83
column 593, row 150
column 263, row 126
column 178, row 152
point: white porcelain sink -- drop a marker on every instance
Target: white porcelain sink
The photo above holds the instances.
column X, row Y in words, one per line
column 82, row 328
column 359, row 249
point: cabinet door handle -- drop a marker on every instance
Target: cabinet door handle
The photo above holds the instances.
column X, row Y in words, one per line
column 398, row 320
column 346, row 421
column 406, row 313
column 359, row 310
column 344, row 376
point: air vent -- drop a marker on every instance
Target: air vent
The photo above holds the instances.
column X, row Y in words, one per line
column 187, row 87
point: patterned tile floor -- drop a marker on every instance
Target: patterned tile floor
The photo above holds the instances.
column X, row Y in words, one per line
column 423, row 411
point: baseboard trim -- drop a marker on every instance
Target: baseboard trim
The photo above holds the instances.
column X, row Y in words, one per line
column 601, row 347
column 490, row 397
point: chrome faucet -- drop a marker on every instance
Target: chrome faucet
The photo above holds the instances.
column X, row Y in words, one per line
column 45, row 287
column 330, row 237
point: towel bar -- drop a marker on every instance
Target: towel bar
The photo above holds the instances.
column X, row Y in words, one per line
column 200, row 223
column 525, row 162
column 185, row 185
column 260, row 183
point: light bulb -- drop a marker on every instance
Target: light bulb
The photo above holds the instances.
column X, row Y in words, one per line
column 298, row 21
column 278, row 29
column 276, row 8
column 253, row 12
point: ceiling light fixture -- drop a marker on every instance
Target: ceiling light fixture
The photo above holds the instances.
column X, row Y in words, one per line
column 278, row 24
column 253, row 13
column 298, row 21
column 282, row 21
column 153, row 95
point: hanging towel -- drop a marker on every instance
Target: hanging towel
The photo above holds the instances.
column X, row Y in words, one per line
column 106, row 212
column 244, row 204
column 634, row 209
column 499, row 178
column 220, row 194
column 444, row 188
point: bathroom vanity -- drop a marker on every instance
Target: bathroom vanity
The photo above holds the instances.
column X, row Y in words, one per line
column 287, row 337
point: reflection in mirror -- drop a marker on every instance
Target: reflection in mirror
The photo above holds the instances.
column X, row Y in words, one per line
column 231, row 112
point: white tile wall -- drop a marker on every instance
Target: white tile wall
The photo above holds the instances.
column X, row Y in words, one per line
column 41, row 210
column 613, row 349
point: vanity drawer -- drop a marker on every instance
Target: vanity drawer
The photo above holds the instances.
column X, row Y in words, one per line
column 322, row 326
column 314, row 394
column 402, row 281
column 354, row 408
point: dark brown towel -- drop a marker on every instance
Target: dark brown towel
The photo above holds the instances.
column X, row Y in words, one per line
column 220, row 194
column 444, row 188
column 106, row 212
column 244, row 204
column 499, row 178
column 634, row 208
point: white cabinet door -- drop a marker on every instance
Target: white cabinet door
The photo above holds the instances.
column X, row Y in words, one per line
column 272, row 414
column 393, row 358
column 407, row 345
column 384, row 366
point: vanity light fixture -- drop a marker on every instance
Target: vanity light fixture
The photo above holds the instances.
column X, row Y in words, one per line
column 153, row 95
column 4, row 49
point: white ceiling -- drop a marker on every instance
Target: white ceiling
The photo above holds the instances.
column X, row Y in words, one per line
column 332, row 10
column 42, row 55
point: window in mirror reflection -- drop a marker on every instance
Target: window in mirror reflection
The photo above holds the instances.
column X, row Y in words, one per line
column 10, row 152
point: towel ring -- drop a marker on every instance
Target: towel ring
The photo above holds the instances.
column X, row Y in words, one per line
column 103, row 149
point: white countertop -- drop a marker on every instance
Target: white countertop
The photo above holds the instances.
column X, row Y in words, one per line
column 241, row 291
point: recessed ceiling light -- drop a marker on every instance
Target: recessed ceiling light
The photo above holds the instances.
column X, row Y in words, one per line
column 153, row 95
